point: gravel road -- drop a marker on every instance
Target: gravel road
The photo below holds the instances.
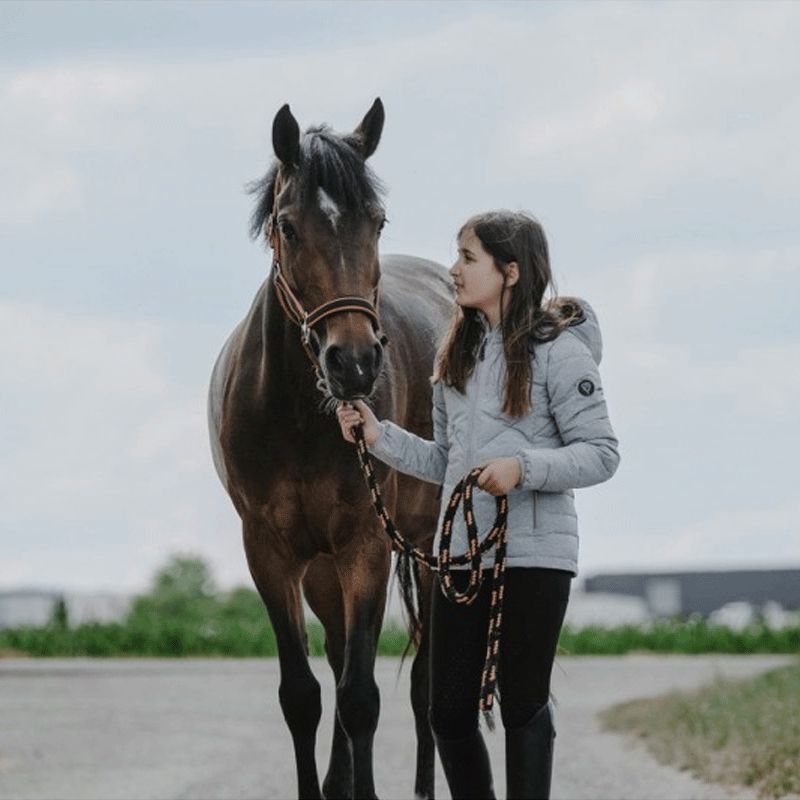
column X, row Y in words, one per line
column 212, row 728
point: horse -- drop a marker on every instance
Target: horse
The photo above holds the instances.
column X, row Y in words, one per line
column 308, row 526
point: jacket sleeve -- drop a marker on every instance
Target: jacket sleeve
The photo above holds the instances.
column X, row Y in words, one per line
column 590, row 453
column 412, row 454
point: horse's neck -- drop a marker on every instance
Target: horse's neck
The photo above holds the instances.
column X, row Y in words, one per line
column 290, row 381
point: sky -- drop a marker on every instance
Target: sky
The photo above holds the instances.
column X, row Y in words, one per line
column 656, row 143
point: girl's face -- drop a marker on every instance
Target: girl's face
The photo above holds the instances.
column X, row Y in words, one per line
column 478, row 281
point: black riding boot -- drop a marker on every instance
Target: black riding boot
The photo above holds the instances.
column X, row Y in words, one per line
column 467, row 767
column 529, row 757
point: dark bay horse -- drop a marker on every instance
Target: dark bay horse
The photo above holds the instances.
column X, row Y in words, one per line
column 308, row 526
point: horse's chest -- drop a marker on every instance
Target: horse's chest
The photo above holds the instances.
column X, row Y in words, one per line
column 280, row 507
column 307, row 489
column 295, row 482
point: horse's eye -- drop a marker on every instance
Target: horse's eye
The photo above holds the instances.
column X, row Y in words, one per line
column 287, row 231
column 382, row 225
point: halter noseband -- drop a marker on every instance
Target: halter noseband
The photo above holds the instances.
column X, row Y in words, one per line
column 294, row 309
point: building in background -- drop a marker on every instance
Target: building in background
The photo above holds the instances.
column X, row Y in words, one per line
column 667, row 594
column 26, row 607
column 734, row 598
column 35, row 607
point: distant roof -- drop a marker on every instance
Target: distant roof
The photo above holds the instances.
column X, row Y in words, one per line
column 30, row 592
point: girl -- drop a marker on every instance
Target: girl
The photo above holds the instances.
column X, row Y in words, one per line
column 516, row 389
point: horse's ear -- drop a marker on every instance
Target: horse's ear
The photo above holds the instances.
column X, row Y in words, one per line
column 286, row 137
column 367, row 135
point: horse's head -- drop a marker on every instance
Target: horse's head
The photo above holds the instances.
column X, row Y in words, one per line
column 326, row 205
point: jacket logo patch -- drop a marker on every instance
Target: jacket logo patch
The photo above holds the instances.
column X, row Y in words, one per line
column 586, row 387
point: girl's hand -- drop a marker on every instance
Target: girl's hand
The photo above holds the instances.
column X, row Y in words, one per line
column 352, row 414
column 500, row 476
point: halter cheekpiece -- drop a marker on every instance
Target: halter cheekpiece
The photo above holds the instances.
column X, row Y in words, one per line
column 294, row 309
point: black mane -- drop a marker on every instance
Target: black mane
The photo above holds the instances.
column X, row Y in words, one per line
column 329, row 162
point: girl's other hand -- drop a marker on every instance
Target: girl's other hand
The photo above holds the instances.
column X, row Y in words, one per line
column 500, row 476
column 358, row 412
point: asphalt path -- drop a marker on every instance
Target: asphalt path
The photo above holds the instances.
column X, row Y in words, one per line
column 212, row 728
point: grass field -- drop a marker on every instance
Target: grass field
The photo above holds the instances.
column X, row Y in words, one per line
column 184, row 615
column 245, row 631
column 743, row 733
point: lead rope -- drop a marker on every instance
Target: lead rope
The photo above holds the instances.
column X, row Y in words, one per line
column 496, row 538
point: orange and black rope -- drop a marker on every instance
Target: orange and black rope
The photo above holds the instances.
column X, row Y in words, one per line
column 496, row 538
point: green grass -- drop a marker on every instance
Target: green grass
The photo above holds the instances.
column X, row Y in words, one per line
column 744, row 733
column 184, row 615
column 691, row 636
column 171, row 639
column 237, row 625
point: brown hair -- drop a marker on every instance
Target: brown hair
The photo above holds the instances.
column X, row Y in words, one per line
column 527, row 318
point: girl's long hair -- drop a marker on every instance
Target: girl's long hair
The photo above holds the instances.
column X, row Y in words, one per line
column 526, row 317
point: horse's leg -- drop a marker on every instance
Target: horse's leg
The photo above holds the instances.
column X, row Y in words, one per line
column 277, row 577
column 363, row 569
column 420, row 694
column 324, row 595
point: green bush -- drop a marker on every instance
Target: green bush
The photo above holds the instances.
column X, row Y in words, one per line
column 184, row 615
column 222, row 630
column 691, row 636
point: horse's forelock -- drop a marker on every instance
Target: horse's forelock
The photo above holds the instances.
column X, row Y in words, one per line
column 328, row 162
column 331, row 163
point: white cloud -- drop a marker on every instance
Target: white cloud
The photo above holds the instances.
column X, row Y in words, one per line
column 767, row 536
column 631, row 101
column 74, row 387
column 36, row 188
column 623, row 101
column 656, row 279
column 104, row 453
column 650, row 380
column 48, row 350
column 145, row 110
column 54, row 117
column 756, row 381
column 666, row 330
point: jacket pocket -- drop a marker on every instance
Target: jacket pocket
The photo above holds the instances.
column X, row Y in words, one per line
column 534, row 503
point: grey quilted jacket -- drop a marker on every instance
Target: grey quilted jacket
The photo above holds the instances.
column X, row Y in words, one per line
column 565, row 442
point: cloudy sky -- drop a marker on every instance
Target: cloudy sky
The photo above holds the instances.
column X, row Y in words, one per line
column 656, row 143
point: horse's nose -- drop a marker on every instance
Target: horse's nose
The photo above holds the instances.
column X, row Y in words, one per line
column 353, row 372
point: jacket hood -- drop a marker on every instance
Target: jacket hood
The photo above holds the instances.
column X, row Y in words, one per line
column 588, row 330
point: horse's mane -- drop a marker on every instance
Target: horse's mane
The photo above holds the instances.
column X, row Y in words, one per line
column 327, row 161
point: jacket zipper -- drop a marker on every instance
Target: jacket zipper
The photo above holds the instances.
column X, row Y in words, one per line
column 474, row 401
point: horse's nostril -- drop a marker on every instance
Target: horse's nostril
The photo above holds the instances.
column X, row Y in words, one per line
column 377, row 355
column 334, row 357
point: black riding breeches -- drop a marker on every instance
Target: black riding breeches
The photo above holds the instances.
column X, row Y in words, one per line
column 534, row 604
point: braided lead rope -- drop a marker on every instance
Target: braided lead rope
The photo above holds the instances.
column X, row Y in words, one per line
column 496, row 538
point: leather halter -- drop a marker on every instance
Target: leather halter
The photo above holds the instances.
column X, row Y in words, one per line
column 294, row 309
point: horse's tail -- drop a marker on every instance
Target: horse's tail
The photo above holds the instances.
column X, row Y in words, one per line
column 407, row 572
